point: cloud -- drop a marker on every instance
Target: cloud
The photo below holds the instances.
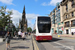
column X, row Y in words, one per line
column 17, row 15
column 44, row 4
column 9, row 2
column 30, row 18
column 52, row 2
column 49, row 10
column 30, row 24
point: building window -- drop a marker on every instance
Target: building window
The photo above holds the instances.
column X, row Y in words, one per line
column 56, row 8
column 67, row 24
column 73, row 23
column 62, row 22
column 72, row 14
column 66, row 7
column 66, row 16
column 63, row 0
column 72, row 3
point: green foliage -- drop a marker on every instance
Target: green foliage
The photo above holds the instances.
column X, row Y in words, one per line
column 4, row 16
column 29, row 29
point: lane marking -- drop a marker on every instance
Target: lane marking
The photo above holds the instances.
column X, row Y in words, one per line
column 35, row 43
column 68, row 47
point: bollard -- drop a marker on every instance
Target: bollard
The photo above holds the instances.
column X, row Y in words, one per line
column 58, row 35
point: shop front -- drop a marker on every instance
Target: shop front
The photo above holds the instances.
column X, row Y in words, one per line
column 52, row 30
column 60, row 30
column 73, row 31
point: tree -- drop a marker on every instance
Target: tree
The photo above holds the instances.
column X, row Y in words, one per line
column 4, row 17
column 29, row 29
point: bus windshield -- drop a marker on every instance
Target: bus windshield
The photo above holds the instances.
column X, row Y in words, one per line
column 44, row 24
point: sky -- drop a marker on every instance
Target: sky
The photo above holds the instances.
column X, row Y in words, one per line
column 33, row 8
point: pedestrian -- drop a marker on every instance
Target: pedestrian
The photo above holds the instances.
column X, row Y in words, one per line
column 2, row 34
column 15, row 33
column 7, row 38
column 23, row 35
column 72, row 33
column 26, row 34
column 19, row 34
column 29, row 33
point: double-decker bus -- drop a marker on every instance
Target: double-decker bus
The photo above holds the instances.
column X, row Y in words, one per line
column 43, row 28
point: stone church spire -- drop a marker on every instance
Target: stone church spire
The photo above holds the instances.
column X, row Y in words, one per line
column 24, row 9
column 24, row 21
column 23, row 15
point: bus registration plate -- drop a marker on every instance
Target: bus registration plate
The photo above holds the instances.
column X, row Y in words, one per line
column 44, row 39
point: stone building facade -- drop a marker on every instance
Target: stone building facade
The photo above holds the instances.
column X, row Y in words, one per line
column 68, row 14
column 64, row 18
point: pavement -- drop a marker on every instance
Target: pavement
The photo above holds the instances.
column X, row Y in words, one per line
column 30, row 44
column 1, row 39
column 64, row 35
column 18, row 44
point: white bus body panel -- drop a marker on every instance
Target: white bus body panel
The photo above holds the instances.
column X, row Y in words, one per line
column 41, row 34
